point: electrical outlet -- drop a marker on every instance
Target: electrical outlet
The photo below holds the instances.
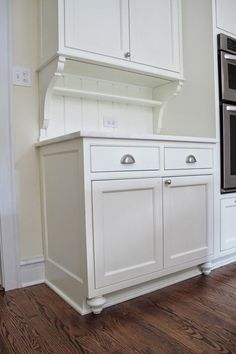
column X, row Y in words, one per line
column 22, row 76
column 109, row 122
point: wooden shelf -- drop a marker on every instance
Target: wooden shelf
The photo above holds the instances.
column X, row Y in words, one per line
column 105, row 97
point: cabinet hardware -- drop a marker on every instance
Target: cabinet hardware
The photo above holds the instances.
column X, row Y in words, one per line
column 231, row 108
column 191, row 159
column 168, row 182
column 127, row 55
column 127, row 160
column 230, row 57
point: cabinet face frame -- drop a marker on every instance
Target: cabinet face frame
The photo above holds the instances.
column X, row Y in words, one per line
column 104, row 277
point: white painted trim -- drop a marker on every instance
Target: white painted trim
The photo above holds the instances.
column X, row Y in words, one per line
column 131, row 293
column 8, row 236
column 67, row 299
column 142, row 289
column 32, row 271
column 223, row 261
column 125, row 136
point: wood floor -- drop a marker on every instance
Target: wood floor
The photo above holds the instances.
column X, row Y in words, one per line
column 195, row 316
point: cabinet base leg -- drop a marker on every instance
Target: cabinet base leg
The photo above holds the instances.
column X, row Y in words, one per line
column 96, row 304
column 206, row 268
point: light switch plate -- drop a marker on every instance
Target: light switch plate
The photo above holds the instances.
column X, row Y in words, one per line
column 22, row 76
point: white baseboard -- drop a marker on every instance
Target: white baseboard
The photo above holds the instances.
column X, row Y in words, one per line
column 222, row 261
column 154, row 285
column 75, row 305
column 32, row 271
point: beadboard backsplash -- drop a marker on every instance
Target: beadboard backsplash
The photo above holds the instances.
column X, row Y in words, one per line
column 70, row 113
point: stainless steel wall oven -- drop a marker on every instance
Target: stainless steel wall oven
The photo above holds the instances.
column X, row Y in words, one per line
column 227, row 93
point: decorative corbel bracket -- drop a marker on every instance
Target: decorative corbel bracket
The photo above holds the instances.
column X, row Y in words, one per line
column 165, row 94
column 48, row 76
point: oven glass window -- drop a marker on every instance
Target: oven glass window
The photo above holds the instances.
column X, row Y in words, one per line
column 233, row 144
column 232, row 76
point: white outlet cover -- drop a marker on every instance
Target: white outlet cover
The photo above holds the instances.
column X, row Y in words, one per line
column 109, row 122
column 22, row 76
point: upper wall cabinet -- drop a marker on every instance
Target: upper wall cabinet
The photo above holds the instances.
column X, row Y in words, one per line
column 99, row 27
column 134, row 35
column 225, row 15
column 154, row 33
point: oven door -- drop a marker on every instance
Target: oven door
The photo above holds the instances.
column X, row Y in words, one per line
column 228, row 76
column 228, row 143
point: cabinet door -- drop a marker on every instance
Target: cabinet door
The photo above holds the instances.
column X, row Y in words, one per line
column 154, row 33
column 228, row 224
column 127, row 217
column 225, row 15
column 188, row 219
column 97, row 26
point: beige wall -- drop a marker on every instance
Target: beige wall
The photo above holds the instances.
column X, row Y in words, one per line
column 192, row 112
column 25, row 128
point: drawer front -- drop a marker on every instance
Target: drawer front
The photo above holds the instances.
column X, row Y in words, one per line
column 187, row 158
column 124, row 158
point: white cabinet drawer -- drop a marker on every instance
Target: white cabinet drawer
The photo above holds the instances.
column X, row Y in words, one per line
column 188, row 158
column 124, row 158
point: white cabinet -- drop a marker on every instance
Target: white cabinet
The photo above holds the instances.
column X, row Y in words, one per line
column 154, row 33
column 225, row 15
column 127, row 219
column 97, row 26
column 188, row 218
column 116, row 220
column 228, row 224
column 133, row 34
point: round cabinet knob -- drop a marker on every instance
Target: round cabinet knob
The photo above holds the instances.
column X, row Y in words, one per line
column 127, row 55
column 167, row 182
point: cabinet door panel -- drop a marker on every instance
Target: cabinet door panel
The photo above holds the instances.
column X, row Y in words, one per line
column 225, row 15
column 154, row 33
column 228, row 224
column 188, row 219
column 127, row 218
column 97, row 26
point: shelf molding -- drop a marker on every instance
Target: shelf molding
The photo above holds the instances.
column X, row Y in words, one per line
column 105, row 97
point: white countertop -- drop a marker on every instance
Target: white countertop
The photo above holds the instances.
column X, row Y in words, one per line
column 130, row 136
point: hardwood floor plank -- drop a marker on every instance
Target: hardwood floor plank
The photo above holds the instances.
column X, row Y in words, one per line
column 225, row 277
column 218, row 301
column 15, row 321
column 194, row 316
column 182, row 330
column 202, row 318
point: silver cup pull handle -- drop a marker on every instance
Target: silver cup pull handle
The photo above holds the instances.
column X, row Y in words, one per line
column 191, row 159
column 127, row 160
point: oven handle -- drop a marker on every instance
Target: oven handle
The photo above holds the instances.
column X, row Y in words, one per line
column 230, row 56
column 231, row 108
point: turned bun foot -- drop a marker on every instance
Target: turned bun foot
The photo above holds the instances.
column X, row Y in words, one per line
column 96, row 304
